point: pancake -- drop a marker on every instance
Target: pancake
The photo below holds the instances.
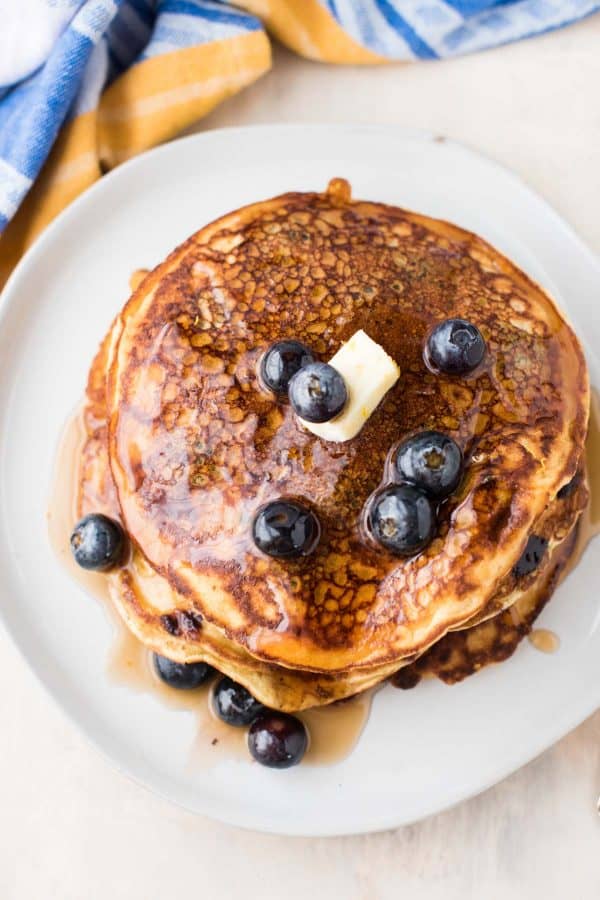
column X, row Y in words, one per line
column 460, row 654
column 146, row 601
column 183, row 443
column 196, row 445
column 164, row 622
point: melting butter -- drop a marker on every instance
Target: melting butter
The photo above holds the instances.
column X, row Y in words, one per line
column 369, row 373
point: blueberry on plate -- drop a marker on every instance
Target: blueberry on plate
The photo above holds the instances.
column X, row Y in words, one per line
column 532, row 556
column 281, row 361
column 318, row 392
column 183, row 676
column 431, row 460
column 97, row 542
column 401, row 518
column 286, row 529
column 455, row 347
column 277, row 740
column 234, row 704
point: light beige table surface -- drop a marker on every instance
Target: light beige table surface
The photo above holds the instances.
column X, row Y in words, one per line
column 72, row 829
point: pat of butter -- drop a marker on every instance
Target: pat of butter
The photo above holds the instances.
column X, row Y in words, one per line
column 369, row 373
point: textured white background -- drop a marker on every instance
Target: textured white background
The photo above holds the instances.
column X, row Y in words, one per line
column 72, row 829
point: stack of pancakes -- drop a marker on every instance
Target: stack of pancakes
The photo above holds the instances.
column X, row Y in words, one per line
column 184, row 445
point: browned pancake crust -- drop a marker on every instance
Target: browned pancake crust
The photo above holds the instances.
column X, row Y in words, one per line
column 197, row 446
column 182, row 635
column 462, row 653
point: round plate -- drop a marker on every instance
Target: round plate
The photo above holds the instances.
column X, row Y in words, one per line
column 422, row 750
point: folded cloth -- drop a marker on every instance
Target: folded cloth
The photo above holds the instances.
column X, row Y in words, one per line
column 86, row 84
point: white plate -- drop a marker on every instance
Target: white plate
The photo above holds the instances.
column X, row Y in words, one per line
column 422, row 750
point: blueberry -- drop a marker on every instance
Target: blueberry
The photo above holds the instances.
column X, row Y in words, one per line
column 277, row 740
column 455, row 347
column 234, row 704
column 431, row 460
column 282, row 360
column 183, row 676
column 531, row 557
column 402, row 519
column 97, row 542
column 318, row 392
column 285, row 529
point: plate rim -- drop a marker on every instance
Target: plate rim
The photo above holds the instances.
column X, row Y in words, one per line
column 64, row 700
column 407, row 133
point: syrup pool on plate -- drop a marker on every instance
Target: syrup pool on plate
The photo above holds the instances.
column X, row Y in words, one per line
column 333, row 730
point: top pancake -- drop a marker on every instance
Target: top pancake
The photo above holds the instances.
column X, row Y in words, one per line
column 196, row 445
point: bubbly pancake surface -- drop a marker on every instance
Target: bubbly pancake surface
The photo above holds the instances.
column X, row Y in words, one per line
column 196, row 445
column 164, row 621
column 462, row 653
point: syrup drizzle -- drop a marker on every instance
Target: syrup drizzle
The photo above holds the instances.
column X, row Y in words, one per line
column 333, row 730
column 136, row 278
column 544, row 640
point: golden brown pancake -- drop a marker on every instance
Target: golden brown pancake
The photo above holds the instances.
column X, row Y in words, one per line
column 138, row 593
column 462, row 653
column 162, row 619
column 156, row 614
column 196, row 445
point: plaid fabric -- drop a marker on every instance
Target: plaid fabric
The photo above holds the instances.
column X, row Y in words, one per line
column 85, row 84
column 431, row 29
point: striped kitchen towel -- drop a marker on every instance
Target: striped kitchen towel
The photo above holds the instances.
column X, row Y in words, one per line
column 86, row 84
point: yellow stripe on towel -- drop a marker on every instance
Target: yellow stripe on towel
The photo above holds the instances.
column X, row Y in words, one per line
column 308, row 28
column 71, row 167
column 148, row 104
column 158, row 97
